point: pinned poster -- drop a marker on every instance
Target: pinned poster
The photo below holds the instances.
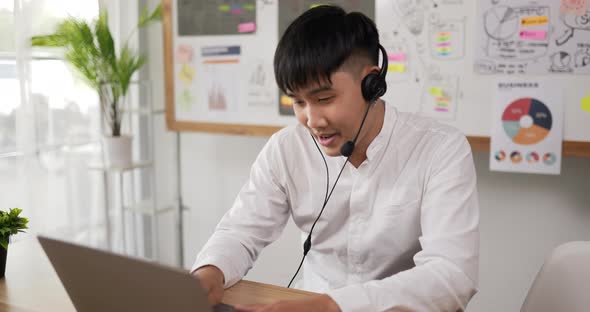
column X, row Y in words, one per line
column 440, row 96
column 527, row 127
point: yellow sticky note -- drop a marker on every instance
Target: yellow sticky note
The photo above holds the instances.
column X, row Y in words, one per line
column 396, row 68
column 186, row 74
column 534, row 20
column 586, row 103
column 436, row 91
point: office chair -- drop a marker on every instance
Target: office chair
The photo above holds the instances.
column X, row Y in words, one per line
column 562, row 283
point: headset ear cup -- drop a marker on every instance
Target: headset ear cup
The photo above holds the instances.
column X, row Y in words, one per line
column 368, row 86
column 373, row 87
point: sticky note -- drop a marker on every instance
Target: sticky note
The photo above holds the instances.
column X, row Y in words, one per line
column 247, row 27
column 186, row 74
column 223, row 8
column 441, row 109
column 236, row 11
column 436, row 91
column 184, row 54
column 575, row 7
column 586, row 104
column 442, row 99
column 286, row 101
column 397, row 57
column 534, row 20
column 443, row 44
column 444, row 34
column 443, row 49
column 443, row 39
column 249, row 7
column 396, row 68
column 533, row 34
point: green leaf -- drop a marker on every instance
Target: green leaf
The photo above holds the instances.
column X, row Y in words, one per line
column 146, row 18
column 106, row 45
column 11, row 223
column 54, row 40
column 4, row 242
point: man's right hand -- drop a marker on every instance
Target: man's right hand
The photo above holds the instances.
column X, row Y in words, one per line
column 212, row 281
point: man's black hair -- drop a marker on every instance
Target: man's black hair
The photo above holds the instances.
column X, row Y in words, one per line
column 318, row 42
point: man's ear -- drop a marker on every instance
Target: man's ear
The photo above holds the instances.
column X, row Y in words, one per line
column 369, row 69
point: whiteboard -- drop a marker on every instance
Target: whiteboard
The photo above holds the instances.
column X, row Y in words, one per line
column 222, row 74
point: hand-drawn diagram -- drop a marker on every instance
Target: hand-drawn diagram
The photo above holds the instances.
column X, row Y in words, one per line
column 447, row 38
column 517, row 33
column 573, row 23
column 260, row 85
column 398, row 56
column 531, row 37
column 440, row 95
column 412, row 13
column 561, row 62
column 582, row 57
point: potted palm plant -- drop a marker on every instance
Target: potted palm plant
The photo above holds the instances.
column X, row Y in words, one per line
column 10, row 224
column 90, row 49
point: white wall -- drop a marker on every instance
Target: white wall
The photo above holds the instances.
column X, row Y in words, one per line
column 522, row 216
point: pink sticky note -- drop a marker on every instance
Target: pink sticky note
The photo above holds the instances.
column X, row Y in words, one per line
column 443, row 44
column 397, row 57
column 184, row 54
column 576, row 7
column 247, row 27
column 441, row 109
column 533, row 34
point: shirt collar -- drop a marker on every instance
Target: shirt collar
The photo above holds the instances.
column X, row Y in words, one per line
column 380, row 140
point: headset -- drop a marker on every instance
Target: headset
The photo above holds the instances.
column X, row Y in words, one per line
column 373, row 86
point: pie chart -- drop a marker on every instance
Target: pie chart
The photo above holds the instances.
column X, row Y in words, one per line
column 501, row 22
column 527, row 121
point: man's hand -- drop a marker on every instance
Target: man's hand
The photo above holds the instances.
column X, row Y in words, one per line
column 310, row 304
column 212, row 281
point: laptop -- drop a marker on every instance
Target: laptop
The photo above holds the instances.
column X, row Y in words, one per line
column 101, row 281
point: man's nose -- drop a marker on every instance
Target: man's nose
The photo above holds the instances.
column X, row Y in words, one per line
column 315, row 118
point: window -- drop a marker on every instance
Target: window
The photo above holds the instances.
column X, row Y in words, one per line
column 45, row 141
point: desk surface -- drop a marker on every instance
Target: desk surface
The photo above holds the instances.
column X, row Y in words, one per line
column 31, row 284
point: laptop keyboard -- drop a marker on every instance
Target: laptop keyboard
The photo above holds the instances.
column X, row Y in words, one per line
column 223, row 308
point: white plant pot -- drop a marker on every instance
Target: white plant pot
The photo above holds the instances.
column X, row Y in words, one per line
column 117, row 151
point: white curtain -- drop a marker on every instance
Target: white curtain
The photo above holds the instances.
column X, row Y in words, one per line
column 50, row 130
column 56, row 130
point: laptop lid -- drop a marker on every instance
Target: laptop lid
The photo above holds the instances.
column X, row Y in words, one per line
column 101, row 281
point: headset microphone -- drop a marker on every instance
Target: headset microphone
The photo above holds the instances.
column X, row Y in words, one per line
column 348, row 147
column 373, row 86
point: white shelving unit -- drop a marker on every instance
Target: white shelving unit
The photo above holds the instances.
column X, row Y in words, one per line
column 132, row 190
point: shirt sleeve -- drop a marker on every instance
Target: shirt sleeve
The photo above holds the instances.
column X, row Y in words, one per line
column 256, row 219
column 446, row 273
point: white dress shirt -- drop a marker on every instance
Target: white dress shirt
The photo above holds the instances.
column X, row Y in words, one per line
column 400, row 232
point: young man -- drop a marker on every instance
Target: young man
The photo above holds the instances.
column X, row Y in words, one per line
column 400, row 230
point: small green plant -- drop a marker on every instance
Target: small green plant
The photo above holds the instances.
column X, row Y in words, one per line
column 90, row 48
column 10, row 224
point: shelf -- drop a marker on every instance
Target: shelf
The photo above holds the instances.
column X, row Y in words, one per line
column 136, row 165
column 145, row 207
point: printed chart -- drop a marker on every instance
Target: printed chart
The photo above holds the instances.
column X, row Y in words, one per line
column 527, row 127
column 527, row 121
